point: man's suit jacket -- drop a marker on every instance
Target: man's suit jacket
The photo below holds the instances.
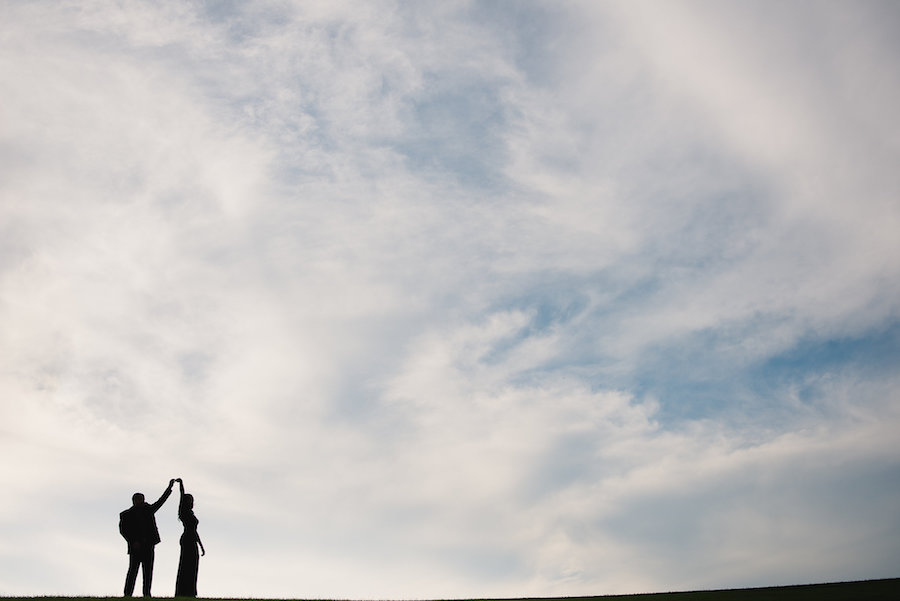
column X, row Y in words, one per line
column 137, row 524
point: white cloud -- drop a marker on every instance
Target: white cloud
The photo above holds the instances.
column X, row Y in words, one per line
column 386, row 284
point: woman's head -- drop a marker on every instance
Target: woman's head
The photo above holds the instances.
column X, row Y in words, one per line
column 186, row 506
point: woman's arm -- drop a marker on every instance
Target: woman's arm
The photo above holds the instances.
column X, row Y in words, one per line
column 181, row 497
column 202, row 550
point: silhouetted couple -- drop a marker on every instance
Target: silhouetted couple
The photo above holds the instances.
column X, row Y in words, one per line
column 138, row 525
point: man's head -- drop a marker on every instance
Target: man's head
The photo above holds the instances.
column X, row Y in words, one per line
column 137, row 498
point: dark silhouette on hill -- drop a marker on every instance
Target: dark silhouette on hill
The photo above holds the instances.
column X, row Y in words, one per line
column 189, row 561
column 137, row 524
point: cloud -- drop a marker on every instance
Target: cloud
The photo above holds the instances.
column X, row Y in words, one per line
column 457, row 299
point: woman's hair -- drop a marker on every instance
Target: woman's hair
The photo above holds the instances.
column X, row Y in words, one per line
column 186, row 505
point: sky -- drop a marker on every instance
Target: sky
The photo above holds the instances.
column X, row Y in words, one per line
column 450, row 299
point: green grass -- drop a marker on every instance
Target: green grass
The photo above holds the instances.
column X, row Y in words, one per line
column 867, row 590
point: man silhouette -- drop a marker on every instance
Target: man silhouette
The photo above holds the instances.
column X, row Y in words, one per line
column 137, row 524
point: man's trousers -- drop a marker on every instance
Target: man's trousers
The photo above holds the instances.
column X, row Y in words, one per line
column 144, row 560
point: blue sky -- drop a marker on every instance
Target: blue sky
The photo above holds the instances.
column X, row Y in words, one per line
column 451, row 299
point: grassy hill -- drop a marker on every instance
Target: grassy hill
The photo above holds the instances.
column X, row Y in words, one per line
column 867, row 590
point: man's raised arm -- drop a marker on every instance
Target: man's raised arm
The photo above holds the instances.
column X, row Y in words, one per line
column 165, row 495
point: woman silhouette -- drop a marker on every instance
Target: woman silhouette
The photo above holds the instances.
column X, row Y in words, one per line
column 189, row 562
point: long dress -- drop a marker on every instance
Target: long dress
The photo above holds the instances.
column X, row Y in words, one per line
column 189, row 562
